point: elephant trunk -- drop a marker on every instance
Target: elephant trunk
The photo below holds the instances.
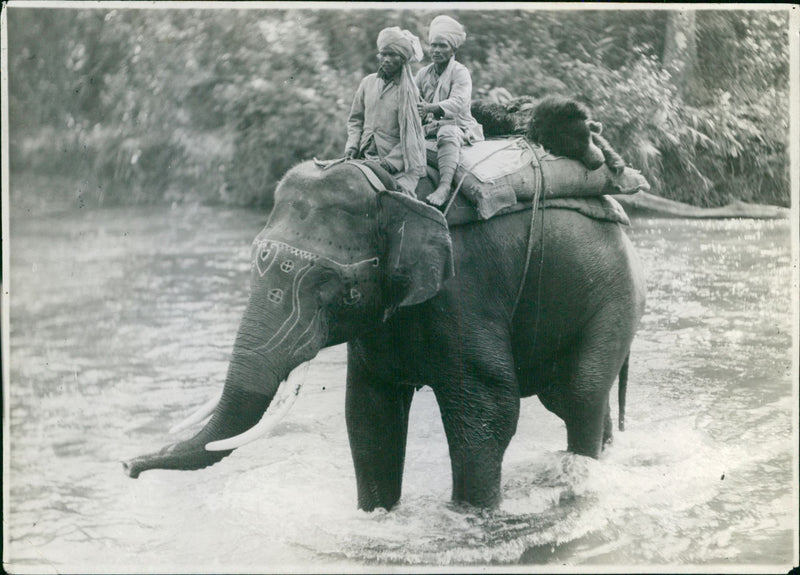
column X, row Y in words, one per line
column 192, row 454
column 249, row 388
column 282, row 327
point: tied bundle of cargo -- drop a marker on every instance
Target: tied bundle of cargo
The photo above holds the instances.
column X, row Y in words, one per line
column 562, row 155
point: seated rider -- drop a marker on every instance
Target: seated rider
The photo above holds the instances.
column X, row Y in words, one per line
column 384, row 123
column 446, row 89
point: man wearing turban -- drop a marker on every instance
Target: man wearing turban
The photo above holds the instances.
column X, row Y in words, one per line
column 446, row 89
column 384, row 122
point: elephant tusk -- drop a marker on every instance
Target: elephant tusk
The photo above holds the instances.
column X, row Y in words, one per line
column 278, row 409
column 202, row 412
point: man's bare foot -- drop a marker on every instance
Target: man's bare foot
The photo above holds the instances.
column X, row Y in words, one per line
column 439, row 196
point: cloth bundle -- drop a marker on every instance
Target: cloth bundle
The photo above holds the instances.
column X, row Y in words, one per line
column 496, row 174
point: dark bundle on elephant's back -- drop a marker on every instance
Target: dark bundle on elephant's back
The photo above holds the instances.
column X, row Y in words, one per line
column 503, row 119
column 562, row 126
column 535, row 119
column 552, row 114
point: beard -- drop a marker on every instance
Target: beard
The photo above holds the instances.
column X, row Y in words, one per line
column 388, row 74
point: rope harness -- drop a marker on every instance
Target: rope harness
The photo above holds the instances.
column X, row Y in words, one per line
column 537, row 196
column 537, row 193
column 466, row 173
column 534, row 206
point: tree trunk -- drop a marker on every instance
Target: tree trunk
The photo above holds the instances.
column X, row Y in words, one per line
column 680, row 51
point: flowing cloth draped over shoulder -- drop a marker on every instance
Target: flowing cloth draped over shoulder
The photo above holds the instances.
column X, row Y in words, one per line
column 445, row 80
column 412, row 138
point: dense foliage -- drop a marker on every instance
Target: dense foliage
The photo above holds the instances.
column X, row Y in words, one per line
column 214, row 105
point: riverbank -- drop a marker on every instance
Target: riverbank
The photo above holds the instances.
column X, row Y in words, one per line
column 646, row 205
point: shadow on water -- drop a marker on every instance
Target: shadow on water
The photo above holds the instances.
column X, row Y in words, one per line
column 122, row 323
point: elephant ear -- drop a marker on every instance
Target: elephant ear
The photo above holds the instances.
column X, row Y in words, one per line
column 418, row 251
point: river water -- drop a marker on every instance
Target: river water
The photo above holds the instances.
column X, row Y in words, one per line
column 122, row 322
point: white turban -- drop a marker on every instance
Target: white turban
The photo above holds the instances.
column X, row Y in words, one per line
column 402, row 42
column 446, row 29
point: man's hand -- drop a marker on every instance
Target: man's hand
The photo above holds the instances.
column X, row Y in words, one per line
column 425, row 108
column 349, row 154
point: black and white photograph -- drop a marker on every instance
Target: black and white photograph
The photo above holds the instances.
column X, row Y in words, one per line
column 364, row 287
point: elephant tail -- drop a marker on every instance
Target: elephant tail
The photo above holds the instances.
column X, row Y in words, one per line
column 622, row 390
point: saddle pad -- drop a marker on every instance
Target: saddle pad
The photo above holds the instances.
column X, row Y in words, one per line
column 508, row 155
column 603, row 208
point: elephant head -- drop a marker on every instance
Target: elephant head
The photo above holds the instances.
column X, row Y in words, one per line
column 334, row 258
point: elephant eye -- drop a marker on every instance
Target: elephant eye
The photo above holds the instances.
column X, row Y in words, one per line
column 287, row 266
column 275, row 295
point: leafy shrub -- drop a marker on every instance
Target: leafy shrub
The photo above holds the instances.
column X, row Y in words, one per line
column 132, row 170
column 705, row 156
column 293, row 108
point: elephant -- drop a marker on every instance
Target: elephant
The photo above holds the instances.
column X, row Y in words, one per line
column 473, row 312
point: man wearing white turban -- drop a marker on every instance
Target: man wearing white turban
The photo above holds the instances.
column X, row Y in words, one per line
column 446, row 89
column 384, row 122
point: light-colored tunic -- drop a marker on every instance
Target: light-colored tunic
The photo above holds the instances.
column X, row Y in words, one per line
column 373, row 127
column 453, row 92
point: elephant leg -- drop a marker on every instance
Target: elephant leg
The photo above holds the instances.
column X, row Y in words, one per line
column 585, row 428
column 377, row 425
column 479, row 420
column 586, row 417
column 579, row 392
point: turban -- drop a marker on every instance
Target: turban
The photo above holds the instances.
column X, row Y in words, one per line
column 401, row 41
column 447, row 29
